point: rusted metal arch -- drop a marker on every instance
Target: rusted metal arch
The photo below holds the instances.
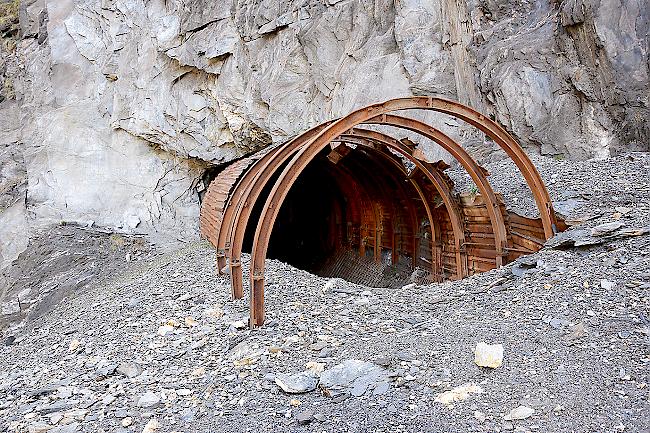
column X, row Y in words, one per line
column 250, row 188
column 307, row 153
column 217, row 194
column 247, row 190
column 245, row 196
column 476, row 172
column 234, row 200
column 257, row 300
column 222, row 244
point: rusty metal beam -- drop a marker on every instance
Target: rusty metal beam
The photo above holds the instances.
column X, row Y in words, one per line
column 476, row 172
column 243, row 200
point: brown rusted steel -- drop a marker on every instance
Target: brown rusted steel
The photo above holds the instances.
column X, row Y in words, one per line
column 441, row 186
column 264, row 170
column 476, row 172
column 414, row 219
column 225, row 224
column 229, row 201
column 443, row 190
column 322, row 139
column 245, row 197
column 214, row 209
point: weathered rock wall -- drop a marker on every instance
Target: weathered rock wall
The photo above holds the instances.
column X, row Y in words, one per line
column 118, row 107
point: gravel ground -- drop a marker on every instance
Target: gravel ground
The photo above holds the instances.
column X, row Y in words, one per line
column 162, row 348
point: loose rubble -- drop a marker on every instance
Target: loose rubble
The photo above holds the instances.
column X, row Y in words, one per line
column 573, row 321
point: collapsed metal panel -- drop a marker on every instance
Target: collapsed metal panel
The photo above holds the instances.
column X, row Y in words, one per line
column 452, row 236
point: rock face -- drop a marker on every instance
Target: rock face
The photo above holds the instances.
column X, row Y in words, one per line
column 113, row 111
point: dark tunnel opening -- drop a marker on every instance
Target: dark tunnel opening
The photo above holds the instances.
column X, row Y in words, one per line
column 338, row 213
column 307, row 228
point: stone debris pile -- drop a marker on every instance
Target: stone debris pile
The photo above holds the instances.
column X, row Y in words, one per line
column 556, row 342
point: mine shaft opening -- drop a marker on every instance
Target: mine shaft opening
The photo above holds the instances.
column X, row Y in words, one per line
column 309, row 224
column 337, row 200
column 358, row 213
column 351, row 215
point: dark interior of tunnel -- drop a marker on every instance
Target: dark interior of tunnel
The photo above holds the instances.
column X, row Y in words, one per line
column 315, row 229
column 306, row 230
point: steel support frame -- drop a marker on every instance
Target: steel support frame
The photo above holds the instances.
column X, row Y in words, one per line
column 313, row 146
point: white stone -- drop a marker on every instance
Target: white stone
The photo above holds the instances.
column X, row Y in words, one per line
column 151, row 426
column 148, row 399
column 521, row 412
column 607, row 285
column 459, row 393
column 486, row 355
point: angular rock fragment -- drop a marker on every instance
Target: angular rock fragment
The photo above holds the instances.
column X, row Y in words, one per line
column 304, row 416
column 488, row 355
column 605, row 229
column 521, row 412
column 296, row 383
column 353, row 376
column 129, row 369
column 148, row 399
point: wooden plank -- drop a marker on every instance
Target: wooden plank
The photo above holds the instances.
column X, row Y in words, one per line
column 520, row 220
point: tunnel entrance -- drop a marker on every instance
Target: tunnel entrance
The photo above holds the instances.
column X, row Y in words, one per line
column 360, row 212
column 347, row 199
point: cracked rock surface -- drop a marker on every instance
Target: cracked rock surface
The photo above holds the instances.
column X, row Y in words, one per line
column 160, row 347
